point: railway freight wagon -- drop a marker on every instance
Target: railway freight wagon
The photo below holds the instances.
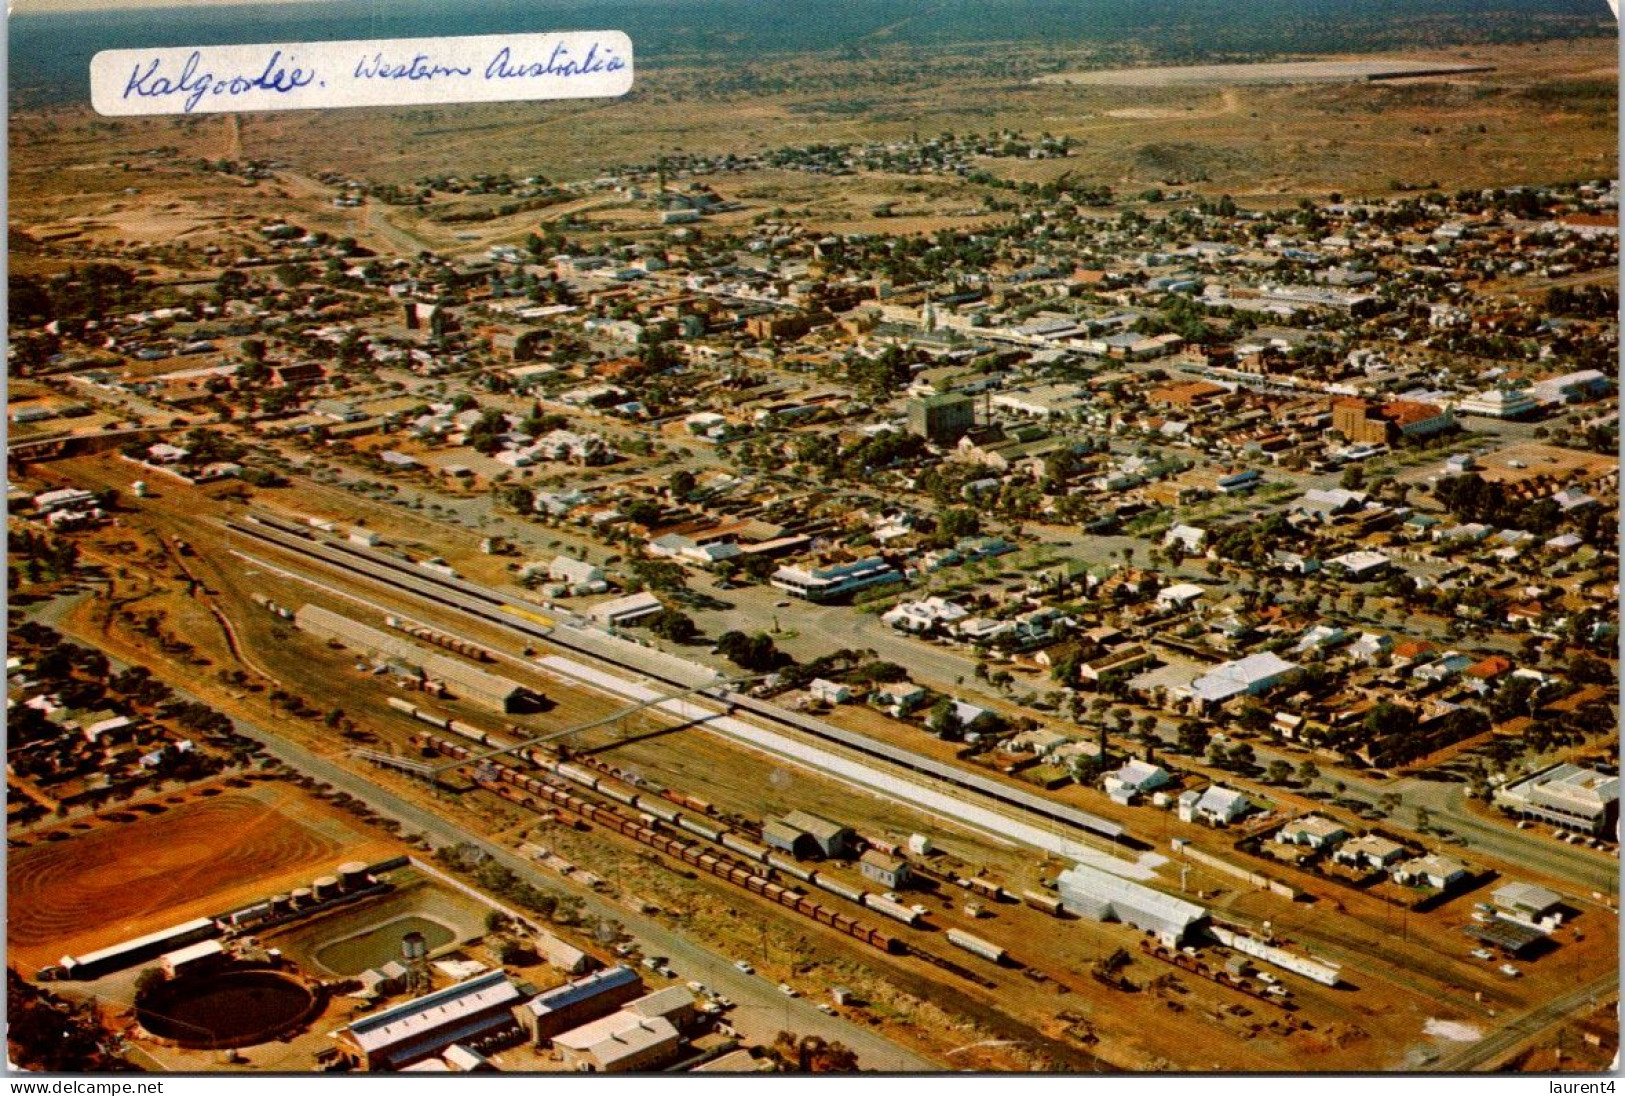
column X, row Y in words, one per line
column 977, row 946
column 1046, row 902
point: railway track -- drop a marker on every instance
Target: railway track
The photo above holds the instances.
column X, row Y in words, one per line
column 492, row 607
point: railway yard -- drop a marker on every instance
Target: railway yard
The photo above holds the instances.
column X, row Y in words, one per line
column 651, row 784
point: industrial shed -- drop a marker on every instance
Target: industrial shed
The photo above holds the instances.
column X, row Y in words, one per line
column 1101, row 896
column 468, row 682
column 832, row 838
column 578, row 1002
column 425, row 1026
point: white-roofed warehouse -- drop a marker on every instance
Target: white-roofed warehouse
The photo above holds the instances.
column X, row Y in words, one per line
column 1102, row 896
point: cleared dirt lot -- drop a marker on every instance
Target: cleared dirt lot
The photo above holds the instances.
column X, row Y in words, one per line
column 205, row 856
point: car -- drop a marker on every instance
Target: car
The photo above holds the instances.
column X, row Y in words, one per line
column 743, row 967
column 788, row 990
column 1510, row 971
column 699, row 988
column 781, row 605
column 828, row 1010
column 1482, row 953
column 723, row 1000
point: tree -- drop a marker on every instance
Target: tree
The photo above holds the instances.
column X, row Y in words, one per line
column 1308, row 772
column 1193, row 738
column 681, row 483
column 148, row 980
column 660, row 574
column 959, row 522
column 495, row 921
column 755, row 653
column 670, row 624
column 1279, row 772
column 944, row 721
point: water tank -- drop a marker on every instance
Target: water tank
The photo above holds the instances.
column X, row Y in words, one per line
column 280, row 903
column 353, row 876
column 301, row 896
column 326, row 887
column 414, row 947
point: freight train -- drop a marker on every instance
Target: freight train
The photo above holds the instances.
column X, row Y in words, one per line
column 549, row 789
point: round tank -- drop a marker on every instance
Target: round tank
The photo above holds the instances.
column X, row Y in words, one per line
column 279, row 902
column 353, row 875
column 326, row 886
column 414, row 946
column 301, row 896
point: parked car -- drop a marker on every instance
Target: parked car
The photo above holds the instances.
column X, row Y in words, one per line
column 743, row 967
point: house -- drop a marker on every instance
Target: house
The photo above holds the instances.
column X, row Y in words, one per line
column 576, row 572
column 1319, row 638
column 888, row 871
column 1433, row 870
column 1221, row 806
column 1180, row 596
column 1188, row 537
column 1313, row 831
column 897, row 699
column 830, row 692
column 1370, row 646
column 1369, row 851
column 1133, row 779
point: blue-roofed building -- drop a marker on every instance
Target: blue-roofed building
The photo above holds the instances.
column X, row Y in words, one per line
column 578, row 1002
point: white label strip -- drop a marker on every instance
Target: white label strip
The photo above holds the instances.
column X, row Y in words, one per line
column 384, row 73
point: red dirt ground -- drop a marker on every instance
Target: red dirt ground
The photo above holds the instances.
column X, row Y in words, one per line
column 203, row 857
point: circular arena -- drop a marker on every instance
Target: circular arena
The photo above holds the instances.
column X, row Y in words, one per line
column 234, row 1008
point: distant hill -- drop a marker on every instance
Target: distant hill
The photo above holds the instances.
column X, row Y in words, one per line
column 50, row 53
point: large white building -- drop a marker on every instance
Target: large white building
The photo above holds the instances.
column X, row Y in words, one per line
column 1101, row 896
column 1251, row 676
column 829, row 583
column 1499, row 403
column 1567, row 796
